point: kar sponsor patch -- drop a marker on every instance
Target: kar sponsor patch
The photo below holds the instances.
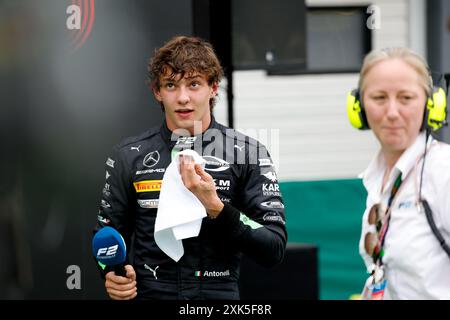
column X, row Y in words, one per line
column 147, row 185
column 271, row 189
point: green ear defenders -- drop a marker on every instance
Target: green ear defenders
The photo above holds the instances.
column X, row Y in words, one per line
column 434, row 117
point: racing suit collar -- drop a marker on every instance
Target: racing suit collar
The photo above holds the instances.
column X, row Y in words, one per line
column 170, row 140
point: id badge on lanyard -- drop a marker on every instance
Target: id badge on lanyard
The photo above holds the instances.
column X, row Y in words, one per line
column 375, row 286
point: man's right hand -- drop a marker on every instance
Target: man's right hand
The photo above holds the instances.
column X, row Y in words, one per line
column 121, row 288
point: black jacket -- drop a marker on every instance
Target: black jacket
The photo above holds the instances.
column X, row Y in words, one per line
column 252, row 221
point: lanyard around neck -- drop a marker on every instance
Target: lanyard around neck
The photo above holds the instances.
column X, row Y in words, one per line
column 378, row 251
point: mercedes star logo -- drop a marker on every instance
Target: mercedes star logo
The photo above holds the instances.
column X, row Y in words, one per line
column 151, row 159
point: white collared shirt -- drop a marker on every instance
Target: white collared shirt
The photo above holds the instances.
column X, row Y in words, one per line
column 416, row 266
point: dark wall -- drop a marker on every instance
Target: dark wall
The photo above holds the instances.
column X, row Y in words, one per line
column 61, row 111
column 295, row 278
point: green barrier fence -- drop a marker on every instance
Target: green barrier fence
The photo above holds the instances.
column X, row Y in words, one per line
column 328, row 213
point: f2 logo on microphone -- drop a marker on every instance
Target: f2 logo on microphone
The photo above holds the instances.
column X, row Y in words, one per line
column 108, row 251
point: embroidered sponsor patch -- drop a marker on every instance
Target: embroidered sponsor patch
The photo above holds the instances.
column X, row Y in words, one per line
column 273, row 204
column 215, row 164
column 148, row 203
column 110, row 162
column 147, row 185
column 273, row 217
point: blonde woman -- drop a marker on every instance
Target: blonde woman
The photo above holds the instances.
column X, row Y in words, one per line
column 406, row 224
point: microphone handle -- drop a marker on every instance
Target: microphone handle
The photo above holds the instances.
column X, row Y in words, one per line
column 119, row 270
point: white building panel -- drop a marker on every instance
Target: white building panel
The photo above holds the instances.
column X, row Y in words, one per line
column 316, row 140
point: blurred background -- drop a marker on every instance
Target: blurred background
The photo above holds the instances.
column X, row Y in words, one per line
column 73, row 84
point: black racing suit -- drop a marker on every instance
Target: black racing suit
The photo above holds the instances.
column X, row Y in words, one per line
column 252, row 221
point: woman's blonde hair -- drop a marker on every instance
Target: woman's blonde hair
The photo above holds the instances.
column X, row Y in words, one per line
column 404, row 54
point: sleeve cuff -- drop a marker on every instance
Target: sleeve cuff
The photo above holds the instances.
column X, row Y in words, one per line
column 229, row 217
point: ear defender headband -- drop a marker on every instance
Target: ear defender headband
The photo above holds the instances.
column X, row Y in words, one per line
column 435, row 116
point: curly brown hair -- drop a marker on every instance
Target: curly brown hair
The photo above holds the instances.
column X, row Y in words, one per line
column 185, row 55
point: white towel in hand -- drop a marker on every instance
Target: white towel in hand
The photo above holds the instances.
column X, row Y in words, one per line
column 180, row 213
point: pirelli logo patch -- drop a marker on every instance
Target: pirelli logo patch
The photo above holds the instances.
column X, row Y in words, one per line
column 147, row 185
